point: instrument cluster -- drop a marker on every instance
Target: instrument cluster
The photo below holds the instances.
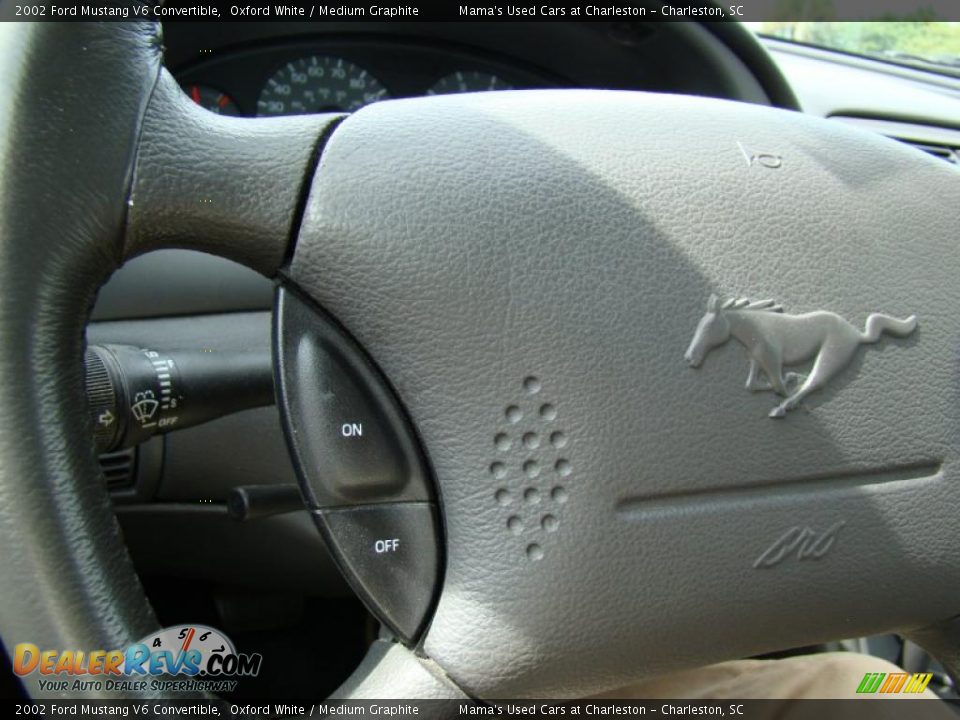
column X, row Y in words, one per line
column 342, row 76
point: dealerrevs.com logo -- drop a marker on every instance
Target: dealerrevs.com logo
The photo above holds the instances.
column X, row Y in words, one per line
column 178, row 658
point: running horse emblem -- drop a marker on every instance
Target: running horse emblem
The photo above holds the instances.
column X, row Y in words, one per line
column 775, row 339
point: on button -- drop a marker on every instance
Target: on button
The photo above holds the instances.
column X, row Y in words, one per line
column 350, row 440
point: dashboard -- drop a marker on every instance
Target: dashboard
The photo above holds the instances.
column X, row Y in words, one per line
column 277, row 68
column 343, row 75
column 916, row 107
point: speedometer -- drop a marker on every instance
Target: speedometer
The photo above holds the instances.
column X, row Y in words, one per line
column 318, row 84
column 468, row 81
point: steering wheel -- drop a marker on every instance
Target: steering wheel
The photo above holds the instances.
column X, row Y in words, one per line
column 525, row 270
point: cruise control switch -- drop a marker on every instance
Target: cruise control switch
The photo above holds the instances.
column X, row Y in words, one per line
column 134, row 393
column 360, row 465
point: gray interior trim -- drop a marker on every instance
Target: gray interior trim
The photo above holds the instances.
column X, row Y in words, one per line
column 909, row 131
column 393, row 672
column 832, row 83
column 181, row 282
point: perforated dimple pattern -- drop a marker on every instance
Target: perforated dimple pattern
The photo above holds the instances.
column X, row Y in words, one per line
column 530, row 469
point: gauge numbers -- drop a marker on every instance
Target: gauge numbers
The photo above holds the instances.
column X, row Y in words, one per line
column 190, row 637
column 319, row 84
column 464, row 81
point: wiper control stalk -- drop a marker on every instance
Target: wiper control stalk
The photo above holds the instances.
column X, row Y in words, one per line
column 135, row 393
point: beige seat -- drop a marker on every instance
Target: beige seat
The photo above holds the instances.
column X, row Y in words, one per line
column 835, row 675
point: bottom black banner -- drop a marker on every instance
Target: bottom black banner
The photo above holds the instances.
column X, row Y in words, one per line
column 867, row 708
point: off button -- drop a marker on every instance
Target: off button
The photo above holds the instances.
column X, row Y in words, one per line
column 389, row 555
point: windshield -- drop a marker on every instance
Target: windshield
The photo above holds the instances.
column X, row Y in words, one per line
column 929, row 45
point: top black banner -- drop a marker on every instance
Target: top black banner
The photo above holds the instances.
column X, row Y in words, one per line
column 878, row 709
column 481, row 10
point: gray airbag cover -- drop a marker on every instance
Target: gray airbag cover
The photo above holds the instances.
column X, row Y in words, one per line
column 529, row 268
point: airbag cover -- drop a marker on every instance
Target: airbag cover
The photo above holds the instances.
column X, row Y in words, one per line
column 528, row 270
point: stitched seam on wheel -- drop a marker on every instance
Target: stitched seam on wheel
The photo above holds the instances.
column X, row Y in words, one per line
column 133, row 171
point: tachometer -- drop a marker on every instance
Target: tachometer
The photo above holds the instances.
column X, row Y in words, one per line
column 211, row 99
column 468, row 81
column 318, row 84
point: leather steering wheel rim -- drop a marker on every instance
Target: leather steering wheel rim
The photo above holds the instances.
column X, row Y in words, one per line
column 76, row 586
column 118, row 158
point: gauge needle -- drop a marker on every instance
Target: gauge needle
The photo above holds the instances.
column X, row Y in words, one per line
column 186, row 641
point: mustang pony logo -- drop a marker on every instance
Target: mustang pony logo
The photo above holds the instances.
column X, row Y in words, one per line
column 774, row 339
